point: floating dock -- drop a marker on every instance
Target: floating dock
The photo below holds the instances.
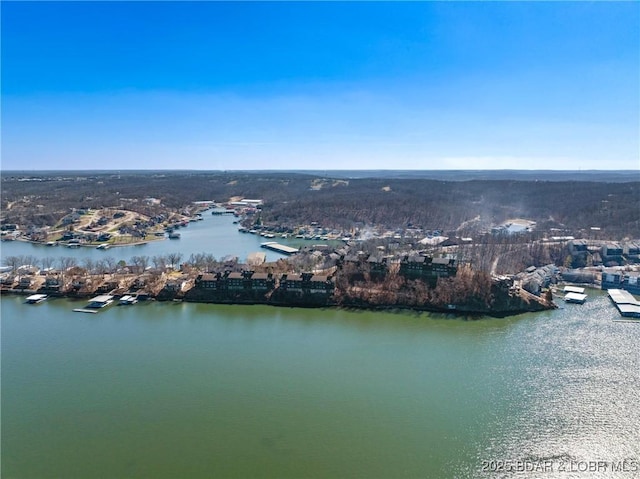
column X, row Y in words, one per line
column 81, row 310
column 280, row 248
column 627, row 305
column 575, row 298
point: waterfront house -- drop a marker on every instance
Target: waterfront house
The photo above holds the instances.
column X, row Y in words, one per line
column 612, row 254
column 631, row 282
column 107, row 286
column 243, row 285
column 52, row 283
column 262, row 282
column 534, row 281
column 632, row 251
column 618, row 279
column 611, row 278
column 426, row 267
column 307, row 283
column 378, row 267
column 7, row 280
column 578, row 246
column 207, row 281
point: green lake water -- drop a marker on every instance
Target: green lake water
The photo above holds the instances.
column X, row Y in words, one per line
column 177, row 390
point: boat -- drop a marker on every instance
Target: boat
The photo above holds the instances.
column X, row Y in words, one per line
column 174, row 235
column 36, row 298
column 128, row 300
column 51, row 243
column 103, row 246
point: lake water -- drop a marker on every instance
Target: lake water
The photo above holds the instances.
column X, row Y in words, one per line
column 216, row 234
column 169, row 390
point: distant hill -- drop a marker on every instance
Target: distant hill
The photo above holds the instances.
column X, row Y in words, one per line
column 562, row 202
column 608, row 176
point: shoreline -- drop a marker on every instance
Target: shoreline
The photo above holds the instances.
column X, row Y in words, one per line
column 459, row 311
column 92, row 245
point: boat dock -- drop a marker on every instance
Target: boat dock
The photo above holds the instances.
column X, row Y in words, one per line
column 128, row 300
column 100, row 301
column 36, row 298
column 280, row 248
column 627, row 305
column 577, row 298
column 573, row 289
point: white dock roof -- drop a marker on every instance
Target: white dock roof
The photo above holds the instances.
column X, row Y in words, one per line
column 573, row 289
column 103, row 298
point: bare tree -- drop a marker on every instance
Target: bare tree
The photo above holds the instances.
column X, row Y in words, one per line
column 111, row 264
column 13, row 261
column 159, row 262
column 101, row 267
column 30, row 260
column 140, row 262
column 66, row 263
column 198, row 260
column 47, row 262
column 174, row 259
column 88, row 264
column 210, row 262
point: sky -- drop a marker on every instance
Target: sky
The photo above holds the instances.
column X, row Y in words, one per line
column 320, row 85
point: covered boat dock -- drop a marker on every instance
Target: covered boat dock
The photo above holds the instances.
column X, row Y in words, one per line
column 627, row 305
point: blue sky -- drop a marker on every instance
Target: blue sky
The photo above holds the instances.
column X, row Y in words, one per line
column 323, row 85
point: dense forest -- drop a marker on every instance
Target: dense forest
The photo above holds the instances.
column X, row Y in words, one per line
column 293, row 199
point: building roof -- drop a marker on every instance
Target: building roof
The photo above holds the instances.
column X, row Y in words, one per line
column 260, row 276
column 573, row 289
column 620, row 296
column 103, row 298
column 575, row 297
column 416, row 259
column 442, row 261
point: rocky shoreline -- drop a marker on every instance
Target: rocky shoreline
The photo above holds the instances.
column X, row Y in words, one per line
column 509, row 304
